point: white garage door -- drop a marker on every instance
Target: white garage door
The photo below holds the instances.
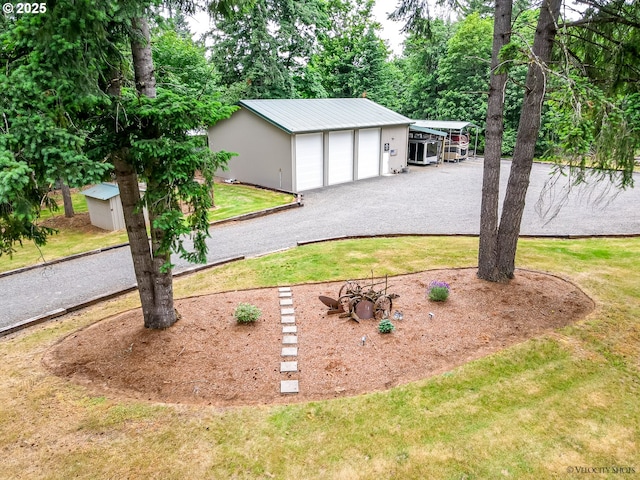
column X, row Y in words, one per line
column 340, row 157
column 309, row 161
column 368, row 153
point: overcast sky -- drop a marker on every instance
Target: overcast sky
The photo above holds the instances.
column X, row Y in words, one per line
column 391, row 30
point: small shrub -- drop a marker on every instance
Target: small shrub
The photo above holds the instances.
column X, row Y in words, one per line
column 246, row 313
column 438, row 291
column 385, row 326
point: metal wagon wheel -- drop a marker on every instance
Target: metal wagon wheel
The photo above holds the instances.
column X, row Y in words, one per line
column 349, row 288
column 347, row 302
column 382, row 307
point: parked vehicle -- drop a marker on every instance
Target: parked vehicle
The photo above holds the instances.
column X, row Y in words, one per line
column 456, row 148
column 454, row 135
column 424, row 149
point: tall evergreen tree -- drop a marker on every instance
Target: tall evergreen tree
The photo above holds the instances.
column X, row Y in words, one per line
column 114, row 121
column 615, row 149
column 259, row 47
column 528, row 129
column 47, row 85
column 423, row 57
column 488, row 249
column 352, row 60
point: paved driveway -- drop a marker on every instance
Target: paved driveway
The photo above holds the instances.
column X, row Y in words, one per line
column 437, row 200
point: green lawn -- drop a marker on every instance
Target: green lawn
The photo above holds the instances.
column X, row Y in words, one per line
column 231, row 200
column 566, row 400
column 564, row 162
column 77, row 199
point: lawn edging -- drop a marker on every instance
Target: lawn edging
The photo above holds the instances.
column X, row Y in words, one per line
column 301, row 243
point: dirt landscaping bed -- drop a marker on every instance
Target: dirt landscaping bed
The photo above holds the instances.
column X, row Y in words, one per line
column 207, row 358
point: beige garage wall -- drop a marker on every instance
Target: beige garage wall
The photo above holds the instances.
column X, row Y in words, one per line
column 264, row 150
column 398, row 140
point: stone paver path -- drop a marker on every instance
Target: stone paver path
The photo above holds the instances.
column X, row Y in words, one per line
column 288, row 367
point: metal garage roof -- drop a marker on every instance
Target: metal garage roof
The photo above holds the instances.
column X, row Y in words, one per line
column 443, row 124
column 317, row 114
column 104, row 191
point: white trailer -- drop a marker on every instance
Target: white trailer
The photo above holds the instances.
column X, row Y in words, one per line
column 425, row 145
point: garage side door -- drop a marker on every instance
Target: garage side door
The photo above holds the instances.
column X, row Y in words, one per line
column 340, row 157
column 369, row 153
column 309, row 161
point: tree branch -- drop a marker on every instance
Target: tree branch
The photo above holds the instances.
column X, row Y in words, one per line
column 600, row 21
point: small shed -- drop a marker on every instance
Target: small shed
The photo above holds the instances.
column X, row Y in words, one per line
column 303, row 144
column 105, row 207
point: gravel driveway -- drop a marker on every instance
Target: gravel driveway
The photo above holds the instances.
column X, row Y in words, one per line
column 432, row 200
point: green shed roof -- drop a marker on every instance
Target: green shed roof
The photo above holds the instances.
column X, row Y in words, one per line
column 318, row 114
column 104, row 191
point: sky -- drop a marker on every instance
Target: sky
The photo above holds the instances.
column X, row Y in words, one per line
column 390, row 30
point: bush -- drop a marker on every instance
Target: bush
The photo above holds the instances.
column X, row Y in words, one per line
column 385, row 326
column 438, row 291
column 246, row 313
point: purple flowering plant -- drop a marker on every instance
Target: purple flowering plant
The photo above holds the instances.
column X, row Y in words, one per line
column 438, row 291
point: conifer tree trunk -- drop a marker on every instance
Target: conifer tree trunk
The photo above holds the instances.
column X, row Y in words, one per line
column 66, row 199
column 160, row 312
column 127, row 180
column 528, row 130
column 488, row 248
column 155, row 285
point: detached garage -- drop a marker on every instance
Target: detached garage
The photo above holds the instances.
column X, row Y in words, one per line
column 302, row 144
